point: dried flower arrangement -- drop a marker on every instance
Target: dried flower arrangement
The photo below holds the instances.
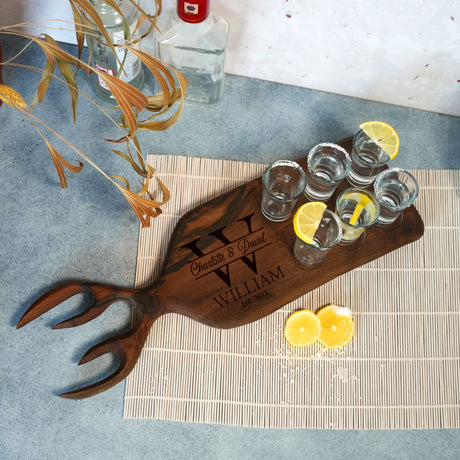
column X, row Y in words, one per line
column 130, row 101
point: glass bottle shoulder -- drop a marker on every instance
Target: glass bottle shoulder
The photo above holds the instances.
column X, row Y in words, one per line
column 212, row 33
column 111, row 19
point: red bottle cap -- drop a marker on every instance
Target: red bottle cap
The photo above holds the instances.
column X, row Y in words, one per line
column 193, row 10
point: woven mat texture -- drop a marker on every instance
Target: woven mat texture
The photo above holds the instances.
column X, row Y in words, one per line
column 400, row 371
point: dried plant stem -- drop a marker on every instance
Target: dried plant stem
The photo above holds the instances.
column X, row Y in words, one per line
column 131, row 101
column 68, row 143
column 39, row 22
column 143, row 208
column 82, row 94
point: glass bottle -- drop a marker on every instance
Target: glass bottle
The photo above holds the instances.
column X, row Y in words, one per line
column 103, row 57
column 193, row 41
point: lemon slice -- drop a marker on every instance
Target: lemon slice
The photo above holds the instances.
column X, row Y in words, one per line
column 383, row 135
column 337, row 326
column 363, row 201
column 302, row 328
column 307, row 219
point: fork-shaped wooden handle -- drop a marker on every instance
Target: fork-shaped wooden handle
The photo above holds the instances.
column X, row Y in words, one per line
column 126, row 347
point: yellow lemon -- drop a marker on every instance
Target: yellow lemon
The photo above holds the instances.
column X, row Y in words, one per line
column 307, row 219
column 302, row 328
column 337, row 326
column 383, row 135
column 363, row 201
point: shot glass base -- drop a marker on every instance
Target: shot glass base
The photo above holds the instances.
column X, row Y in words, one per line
column 395, row 223
column 353, row 244
column 304, row 264
column 311, row 197
column 358, row 183
column 273, row 219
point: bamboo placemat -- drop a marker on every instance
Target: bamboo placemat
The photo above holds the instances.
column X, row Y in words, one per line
column 400, row 371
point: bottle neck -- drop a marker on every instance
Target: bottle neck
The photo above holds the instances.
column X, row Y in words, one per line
column 193, row 11
column 111, row 17
column 102, row 3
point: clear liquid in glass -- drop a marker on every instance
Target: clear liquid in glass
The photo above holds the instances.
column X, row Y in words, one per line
column 346, row 206
column 198, row 52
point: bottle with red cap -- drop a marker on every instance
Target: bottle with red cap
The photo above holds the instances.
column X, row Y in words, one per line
column 193, row 41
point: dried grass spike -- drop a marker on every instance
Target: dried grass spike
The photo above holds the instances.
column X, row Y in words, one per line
column 11, row 97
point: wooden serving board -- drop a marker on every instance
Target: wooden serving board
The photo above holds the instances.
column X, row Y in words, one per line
column 226, row 266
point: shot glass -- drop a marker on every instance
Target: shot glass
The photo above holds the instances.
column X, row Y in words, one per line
column 367, row 160
column 395, row 190
column 357, row 210
column 326, row 237
column 283, row 183
column 328, row 164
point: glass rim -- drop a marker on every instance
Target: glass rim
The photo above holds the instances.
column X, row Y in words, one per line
column 380, row 177
column 292, row 164
column 370, row 195
column 336, row 239
column 332, row 145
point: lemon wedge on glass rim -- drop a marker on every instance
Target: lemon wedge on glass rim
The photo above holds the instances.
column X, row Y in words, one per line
column 307, row 219
column 383, row 135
